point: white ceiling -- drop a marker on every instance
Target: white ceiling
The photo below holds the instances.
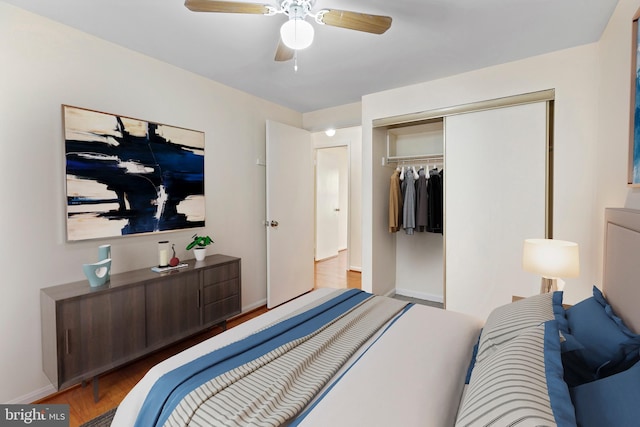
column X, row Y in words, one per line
column 428, row 39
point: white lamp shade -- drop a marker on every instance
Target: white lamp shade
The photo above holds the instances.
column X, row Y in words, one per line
column 551, row 258
column 297, row 33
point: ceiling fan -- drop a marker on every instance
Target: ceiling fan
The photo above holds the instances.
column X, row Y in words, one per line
column 297, row 33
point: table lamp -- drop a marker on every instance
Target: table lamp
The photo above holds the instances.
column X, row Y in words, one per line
column 552, row 259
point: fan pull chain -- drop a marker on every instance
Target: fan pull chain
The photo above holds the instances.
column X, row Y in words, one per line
column 295, row 61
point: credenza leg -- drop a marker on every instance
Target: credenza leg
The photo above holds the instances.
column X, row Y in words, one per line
column 96, row 391
column 96, row 388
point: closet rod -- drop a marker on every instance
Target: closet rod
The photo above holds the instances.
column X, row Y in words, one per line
column 416, row 159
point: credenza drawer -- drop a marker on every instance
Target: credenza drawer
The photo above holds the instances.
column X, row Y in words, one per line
column 219, row 291
column 221, row 310
column 221, row 273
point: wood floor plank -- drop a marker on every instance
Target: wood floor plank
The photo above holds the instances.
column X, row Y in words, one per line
column 114, row 386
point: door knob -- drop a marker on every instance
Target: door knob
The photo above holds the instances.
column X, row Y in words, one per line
column 274, row 223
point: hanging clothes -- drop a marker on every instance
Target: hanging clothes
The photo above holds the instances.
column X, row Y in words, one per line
column 435, row 201
column 395, row 203
column 422, row 214
column 409, row 202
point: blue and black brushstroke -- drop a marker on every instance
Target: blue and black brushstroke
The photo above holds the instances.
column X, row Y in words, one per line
column 172, row 166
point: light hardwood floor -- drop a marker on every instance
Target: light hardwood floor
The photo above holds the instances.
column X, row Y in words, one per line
column 330, row 273
column 333, row 273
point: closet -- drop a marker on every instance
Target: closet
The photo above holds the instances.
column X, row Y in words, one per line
column 498, row 179
column 419, row 251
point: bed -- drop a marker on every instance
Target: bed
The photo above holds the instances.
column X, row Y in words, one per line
column 346, row 357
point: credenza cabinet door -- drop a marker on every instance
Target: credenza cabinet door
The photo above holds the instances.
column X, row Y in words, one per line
column 173, row 308
column 99, row 331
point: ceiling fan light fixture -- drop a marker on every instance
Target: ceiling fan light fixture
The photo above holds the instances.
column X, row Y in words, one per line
column 297, row 33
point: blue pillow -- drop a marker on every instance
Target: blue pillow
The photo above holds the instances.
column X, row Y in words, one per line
column 595, row 342
column 605, row 342
column 472, row 364
column 630, row 349
column 611, row 401
column 559, row 312
column 598, row 296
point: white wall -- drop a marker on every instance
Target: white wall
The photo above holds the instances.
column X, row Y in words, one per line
column 614, row 51
column 44, row 65
column 573, row 73
column 340, row 117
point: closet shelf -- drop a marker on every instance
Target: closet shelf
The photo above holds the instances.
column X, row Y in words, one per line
column 414, row 159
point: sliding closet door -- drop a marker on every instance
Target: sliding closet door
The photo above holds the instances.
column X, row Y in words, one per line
column 495, row 176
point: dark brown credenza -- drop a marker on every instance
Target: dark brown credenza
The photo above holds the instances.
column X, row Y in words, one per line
column 88, row 331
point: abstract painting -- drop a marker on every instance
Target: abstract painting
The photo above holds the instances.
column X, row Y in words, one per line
column 127, row 176
column 634, row 131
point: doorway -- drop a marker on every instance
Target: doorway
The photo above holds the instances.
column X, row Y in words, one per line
column 332, row 201
column 338, row 170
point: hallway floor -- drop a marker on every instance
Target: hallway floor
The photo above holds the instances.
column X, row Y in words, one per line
column 333, row 273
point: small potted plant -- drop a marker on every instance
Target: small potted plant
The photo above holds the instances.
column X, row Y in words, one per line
column 199, row 246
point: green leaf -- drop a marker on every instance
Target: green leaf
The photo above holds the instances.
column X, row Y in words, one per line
column 201, row 241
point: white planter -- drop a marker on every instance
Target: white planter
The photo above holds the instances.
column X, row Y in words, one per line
column 200, row 253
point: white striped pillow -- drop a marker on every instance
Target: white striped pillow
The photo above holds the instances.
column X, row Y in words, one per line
column 520, row 384
column 508, row 321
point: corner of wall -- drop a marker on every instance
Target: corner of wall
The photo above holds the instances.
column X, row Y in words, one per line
column 339, row 117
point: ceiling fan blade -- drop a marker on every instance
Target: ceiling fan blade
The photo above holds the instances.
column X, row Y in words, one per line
column 226, row 7
column 283, row 52
column 376, row 24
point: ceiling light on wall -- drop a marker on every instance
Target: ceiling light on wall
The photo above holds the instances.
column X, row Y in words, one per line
column 297, row 33
column 330, row 132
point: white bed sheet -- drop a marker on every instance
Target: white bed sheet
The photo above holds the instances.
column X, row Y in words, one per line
column 413, row 374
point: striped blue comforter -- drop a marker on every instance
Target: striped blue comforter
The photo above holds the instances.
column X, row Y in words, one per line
column 267, row 378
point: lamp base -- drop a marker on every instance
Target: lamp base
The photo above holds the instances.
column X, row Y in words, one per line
column 548, row 285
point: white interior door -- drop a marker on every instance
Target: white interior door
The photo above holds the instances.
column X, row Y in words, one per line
column 343, row 214
column 495, row 175
column 290, row 213
column 327, row 202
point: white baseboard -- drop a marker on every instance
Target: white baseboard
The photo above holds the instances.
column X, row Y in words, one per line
column 420, row 295
column 33, row 396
